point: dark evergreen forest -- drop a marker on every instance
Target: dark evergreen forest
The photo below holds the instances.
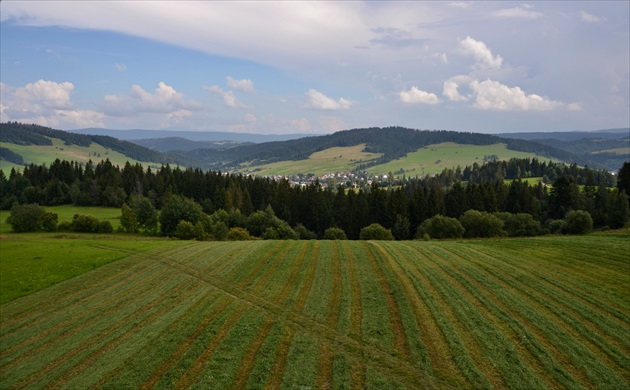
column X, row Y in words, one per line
column 407, row 208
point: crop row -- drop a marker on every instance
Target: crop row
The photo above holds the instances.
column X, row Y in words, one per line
column 530, row 313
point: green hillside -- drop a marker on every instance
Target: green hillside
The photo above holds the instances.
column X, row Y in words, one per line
column 430, row 159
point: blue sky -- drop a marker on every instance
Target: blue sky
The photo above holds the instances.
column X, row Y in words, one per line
column 316, row 67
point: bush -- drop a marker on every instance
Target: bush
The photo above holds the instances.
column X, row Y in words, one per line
column 239, row 234
column 85, row 224
column 185, row 230
column 376, row 232
column 440, row 227
column 219, row 231
column 521, row 225
column 335, row 233
column 105, row 227
column 481, row 224
column 578, row 222
column 556, row 226
column 304, row 233
column 26, row 218
column 49, row 222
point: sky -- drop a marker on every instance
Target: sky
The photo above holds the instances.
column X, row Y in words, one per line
column 316, row 67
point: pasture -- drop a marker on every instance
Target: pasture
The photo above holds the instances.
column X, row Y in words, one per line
column 545, row 312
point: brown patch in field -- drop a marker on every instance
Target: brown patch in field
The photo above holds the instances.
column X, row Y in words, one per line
column 66, row 328
column 152, row 307
column 356, row 315
column 307, row 284
column 193, row 373
column 277, row 372
column 295, row 270
column 185, row 346
column 400, row 340
column 324, row 367
column 335, row 299
column 249, row 357
column 430, row 334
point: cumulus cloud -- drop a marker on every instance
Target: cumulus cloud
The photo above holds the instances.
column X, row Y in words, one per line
column 523, row 12
column 480, row 52
column 165, row 99
column 244, row 85
column 460, row 4
column 591, row 19
column 319, row 101
column 228, row 96
column 492, row 95
column 451, row 88
column 417, row 96
column 46, row 103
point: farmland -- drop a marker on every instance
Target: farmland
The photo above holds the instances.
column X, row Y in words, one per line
column 524, row 313
column 431, row 159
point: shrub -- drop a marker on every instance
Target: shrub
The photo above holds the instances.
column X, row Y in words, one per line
column 578, row 222
column 304, row 233
column 176, row 209
column 522, row 225
column 239, row 234
column 376, row 232
column 481, row 224
column 440, row 227
column 185, row 230
column 49, row 222
column 556, row 226
column 105, row 227
column 85, row 224
column 334, row 233
column 26, row 218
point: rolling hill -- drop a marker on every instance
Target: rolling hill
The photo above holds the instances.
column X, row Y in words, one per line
column 25, row 144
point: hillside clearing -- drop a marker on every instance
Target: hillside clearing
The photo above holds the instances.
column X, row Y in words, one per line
column 546, row 312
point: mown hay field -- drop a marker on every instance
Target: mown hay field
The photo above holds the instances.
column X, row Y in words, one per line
column 545, row 312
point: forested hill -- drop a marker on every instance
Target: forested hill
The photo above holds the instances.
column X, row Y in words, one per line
column 393, row 142
column 30, row 134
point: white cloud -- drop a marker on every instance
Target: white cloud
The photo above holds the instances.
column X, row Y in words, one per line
column 480, row 52
column 46, row 103
column 320, row 101
column 522, row 12
column 244, row 85
column 591, row 19
column 251, row 118
column 164, row 100
column 120, row 67
column 492, row 95
column 228, row 96
column 460, row 4
column 416, row 95
column 451, row 88
column 48, row 93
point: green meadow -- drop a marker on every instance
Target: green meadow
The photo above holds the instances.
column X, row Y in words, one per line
column 534, row 313
column 430, row 159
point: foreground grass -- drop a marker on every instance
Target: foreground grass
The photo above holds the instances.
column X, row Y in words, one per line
column 33, row 262
column 544, row 312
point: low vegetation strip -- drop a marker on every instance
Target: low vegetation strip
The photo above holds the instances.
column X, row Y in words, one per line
column 314, row 314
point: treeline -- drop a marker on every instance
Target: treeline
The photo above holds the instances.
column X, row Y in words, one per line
column 401, row 209
column 30, row 134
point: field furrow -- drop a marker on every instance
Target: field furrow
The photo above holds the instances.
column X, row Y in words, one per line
column 496, row 313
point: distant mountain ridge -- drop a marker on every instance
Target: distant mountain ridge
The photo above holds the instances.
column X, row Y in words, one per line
column 183, row 144
column 210, row 136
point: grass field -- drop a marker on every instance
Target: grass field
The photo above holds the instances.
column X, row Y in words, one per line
column 338, row 159
column 545, row 312
column 428, row 160
column 433, row 159
column 46, row 154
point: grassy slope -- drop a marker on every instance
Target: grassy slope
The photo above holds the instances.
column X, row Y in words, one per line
column 428, row 160
column 338, row 159
column 44, row 154
column 529, row 313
